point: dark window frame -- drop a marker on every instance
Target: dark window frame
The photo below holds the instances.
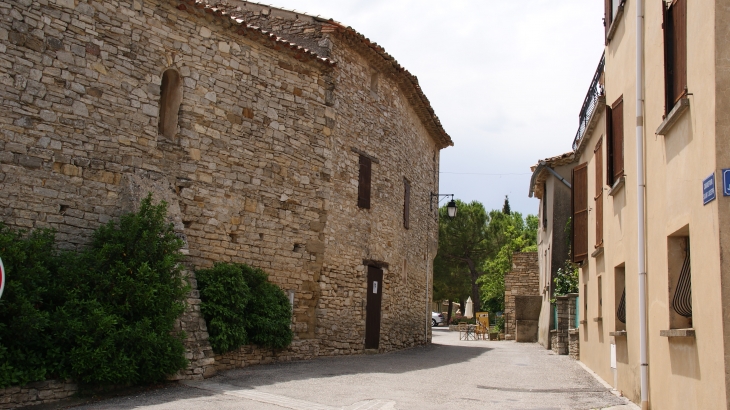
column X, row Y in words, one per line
column 615, row 164
column 364, row 184
column 674, row 26
column 406, row 203
column 579, row 225
column 598, row 171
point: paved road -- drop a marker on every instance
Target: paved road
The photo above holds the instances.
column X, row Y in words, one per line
column 450, row 374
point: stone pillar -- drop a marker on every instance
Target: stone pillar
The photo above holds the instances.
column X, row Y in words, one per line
column 573, row 330
column 559, row 334
column 201, row 360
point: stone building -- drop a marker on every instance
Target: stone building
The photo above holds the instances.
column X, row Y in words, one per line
column 549, row 183
column 282, row 140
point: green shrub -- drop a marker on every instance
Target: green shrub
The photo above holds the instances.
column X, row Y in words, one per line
column 224, row 295
column 242, row 307
column 566, row 279
column 101, row 316
column 26, row 305
column 269, row 312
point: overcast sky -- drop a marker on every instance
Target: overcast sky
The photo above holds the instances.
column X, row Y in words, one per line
column 506, row 78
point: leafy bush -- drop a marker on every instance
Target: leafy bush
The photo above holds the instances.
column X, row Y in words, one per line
column 101, row 316
column 242, row 307
column 224, row 294
column 461, row 319
column 26, row 305
column 269, row 312
column 566, row 279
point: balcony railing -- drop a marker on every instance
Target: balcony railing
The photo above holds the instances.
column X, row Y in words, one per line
column 590, row 102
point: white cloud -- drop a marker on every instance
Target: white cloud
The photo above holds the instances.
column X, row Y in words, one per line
column 507, row 79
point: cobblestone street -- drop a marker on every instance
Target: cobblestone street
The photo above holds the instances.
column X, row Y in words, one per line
column 450, row 374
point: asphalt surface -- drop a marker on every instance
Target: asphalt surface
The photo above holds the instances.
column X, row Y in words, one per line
column 449, row 374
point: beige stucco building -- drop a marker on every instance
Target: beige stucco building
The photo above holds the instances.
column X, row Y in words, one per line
column 683, row 73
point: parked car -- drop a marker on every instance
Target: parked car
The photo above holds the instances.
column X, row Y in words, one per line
column 437, row 319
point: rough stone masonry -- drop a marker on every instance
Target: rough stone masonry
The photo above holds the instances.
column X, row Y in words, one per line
column 271, row 113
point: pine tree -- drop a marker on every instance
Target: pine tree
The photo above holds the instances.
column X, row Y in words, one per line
column 505, row 209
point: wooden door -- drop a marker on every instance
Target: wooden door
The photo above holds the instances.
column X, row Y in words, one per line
column 372, row 319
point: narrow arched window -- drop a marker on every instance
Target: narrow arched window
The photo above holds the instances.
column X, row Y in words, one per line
column 170, row 98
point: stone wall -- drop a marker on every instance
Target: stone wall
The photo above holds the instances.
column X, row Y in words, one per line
column 522, row 280
column 262, row 170
column 36, row 393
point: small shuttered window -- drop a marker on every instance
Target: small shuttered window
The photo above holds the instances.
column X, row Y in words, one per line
column 363, row 185
column 615, row 141
column 406, row 203
column 608, row 15
column 675, row 52
column 598, row 161
column 580, row 212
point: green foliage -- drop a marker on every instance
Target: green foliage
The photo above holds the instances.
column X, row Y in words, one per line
column 241, row 306
column 506, row 208
column 499, row 324
column 101, row 316
column 475, row 248
column 26, row 305
column 225, row 295
column 461, row 319
column 517, row 235
column 566, row 279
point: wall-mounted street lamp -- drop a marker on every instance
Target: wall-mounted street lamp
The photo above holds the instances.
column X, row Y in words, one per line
column 450, row 207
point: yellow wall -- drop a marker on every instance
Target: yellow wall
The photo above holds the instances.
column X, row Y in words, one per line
column 683, row 372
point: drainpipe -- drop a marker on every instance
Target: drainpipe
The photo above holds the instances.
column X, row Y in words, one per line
column 640, row 205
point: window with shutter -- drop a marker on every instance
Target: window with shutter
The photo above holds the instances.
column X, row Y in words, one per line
column 406, row 203
column 544, row 207
column 580, row 212
column 598, row 161
column 675, row 52
column 363, row 186
column 615, row 141
column 608, row 15
column 171, row 93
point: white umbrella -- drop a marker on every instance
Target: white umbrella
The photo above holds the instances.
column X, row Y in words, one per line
column 469, row 309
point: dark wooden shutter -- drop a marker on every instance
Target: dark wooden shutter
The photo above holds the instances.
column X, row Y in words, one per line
column 609, row 146
column 598, row 161
column 406, row 203
column 363, row 187
column 675, row 52
column 617, row 138
column 580, row 212
column 608, row 17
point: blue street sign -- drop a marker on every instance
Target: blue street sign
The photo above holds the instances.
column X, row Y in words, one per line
column 708, row 189
column 726, row 182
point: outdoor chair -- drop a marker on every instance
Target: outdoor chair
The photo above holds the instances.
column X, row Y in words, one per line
column 463, row 331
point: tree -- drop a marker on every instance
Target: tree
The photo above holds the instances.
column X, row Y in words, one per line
column 468, row 240
column 449, row 284
column 505, row 208
column 519, row 236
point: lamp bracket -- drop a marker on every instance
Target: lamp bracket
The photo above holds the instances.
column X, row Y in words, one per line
column 435, row 195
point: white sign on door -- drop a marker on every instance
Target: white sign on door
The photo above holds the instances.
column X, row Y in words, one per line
column 375, row 286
